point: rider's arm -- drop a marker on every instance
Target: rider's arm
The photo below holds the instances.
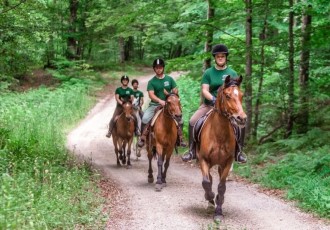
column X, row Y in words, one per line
column 206, row 93
column 154, row 98
column 118, row 99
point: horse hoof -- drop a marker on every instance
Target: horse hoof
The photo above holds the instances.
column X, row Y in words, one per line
column 158, row 187
column 217, row 218
column 163, row 185
column 150, row 180
column 210, row 208
column 138, row 153
column 129, row 166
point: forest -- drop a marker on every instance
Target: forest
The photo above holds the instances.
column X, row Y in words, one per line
column 281, row 49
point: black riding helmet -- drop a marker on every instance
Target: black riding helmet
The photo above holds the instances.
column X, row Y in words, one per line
column 125, row 77
column 158, row 61
column 220, row 48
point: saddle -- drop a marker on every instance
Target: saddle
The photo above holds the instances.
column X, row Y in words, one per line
column 201, row 122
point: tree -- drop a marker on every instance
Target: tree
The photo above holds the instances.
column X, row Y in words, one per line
column 248, row 68
column 304, row 70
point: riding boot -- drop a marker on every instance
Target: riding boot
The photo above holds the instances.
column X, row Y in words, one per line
column 145, row 128
column 136, row 129
column 191, row 154
column 240, row 156
column 111, row 125
column 180, row 141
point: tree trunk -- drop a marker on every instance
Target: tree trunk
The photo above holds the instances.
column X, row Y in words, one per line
column 71, row 40
column 121, row 42
column 304, row 72
column 262, row 38
column 248, row 70
column 209, row 35
column 289, row 126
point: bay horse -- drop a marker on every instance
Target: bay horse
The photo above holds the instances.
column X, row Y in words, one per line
column 122, row 134
column 162, row 138
column 218, row 142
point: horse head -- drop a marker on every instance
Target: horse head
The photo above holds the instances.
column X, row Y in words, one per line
column 173, row 106
column 229, row 101
column 128, row 110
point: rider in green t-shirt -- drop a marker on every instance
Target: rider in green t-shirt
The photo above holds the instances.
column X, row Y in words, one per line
column 122, row 94
column 138, row 102
column 212, row 79
column 156, row 87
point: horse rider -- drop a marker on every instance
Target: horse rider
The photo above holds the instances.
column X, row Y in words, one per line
column 138, row 101
column 156, row 86
column 212, row 79
column 122, row 94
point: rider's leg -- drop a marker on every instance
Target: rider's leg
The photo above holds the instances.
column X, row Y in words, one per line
column 191, row 154
column 146, row 119
column 136, row 126
column 180, row 141
column 117, row 111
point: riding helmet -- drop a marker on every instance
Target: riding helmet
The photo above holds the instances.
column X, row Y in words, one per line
column 158, row 61
column 124, row 77
column 220, row 48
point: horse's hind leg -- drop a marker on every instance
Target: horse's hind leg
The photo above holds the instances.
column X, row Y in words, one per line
column 129, row 154
column 124, row 153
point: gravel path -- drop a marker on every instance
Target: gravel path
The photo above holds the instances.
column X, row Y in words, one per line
column 180, row 205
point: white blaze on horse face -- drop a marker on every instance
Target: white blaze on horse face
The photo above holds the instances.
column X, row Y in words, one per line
column 236, row 92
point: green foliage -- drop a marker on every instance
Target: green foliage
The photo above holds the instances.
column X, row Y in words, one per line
column 299, row 165
column 41, row 187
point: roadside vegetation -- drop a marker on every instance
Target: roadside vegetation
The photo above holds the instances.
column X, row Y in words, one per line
column 42, row 185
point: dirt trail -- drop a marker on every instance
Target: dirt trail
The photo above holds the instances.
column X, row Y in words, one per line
column 181, row 204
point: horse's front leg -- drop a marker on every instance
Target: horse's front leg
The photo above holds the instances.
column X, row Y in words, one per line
column 166, row 165
column 116, row 151
column 207, row 182
column 124, row 152
column 150, row 176
column 160, row 161
column 221, row 191
column 129, row 153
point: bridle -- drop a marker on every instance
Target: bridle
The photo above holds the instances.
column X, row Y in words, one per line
column 167, row 111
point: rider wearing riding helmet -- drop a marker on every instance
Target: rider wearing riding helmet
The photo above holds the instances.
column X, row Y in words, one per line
column 156, row 87
column 212, row 79
column 122, row 94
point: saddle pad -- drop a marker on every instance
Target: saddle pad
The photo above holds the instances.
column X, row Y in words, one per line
column 199, row 125
column 155, row 117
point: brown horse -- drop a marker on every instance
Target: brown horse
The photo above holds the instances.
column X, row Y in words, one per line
column 162, row 139
column 218, row 142
column 122, row 134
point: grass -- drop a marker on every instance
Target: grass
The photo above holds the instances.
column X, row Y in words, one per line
column 41, row 184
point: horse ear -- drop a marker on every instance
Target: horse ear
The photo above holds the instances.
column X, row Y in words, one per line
column 240, row 79
column 227, row 80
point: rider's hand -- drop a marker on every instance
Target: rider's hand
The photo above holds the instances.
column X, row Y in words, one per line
column 161, row 102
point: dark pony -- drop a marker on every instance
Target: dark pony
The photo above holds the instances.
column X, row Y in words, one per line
column 122, row 134
column 161, row 140
column 217, row 140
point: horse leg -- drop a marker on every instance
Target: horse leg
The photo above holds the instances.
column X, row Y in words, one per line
column 150, row 175
column 221, row 191
column 166, row 165
column 160, row 161
column 129, row 153
column 116, row 149
column 207, row 181
column 124, row 152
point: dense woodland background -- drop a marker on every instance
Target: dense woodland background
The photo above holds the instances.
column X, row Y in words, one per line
column 280, row 47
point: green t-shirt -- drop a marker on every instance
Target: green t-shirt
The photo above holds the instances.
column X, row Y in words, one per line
column 138, row 95
column 215, row 78
column 158, row 85
column 124, row 94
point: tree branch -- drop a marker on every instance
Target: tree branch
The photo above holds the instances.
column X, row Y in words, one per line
column 13, row 7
